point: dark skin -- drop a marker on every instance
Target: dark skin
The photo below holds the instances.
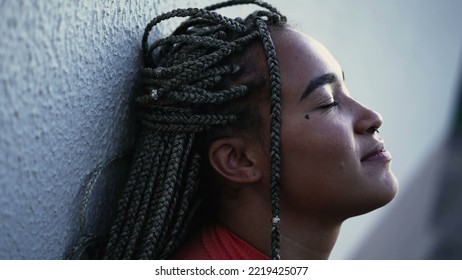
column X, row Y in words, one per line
column 334, row 165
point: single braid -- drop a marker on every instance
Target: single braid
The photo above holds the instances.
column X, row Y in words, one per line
column 262, row 4
column 184, row 76
column 275, row 135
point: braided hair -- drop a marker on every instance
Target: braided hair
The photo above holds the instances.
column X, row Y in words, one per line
column 190, row 97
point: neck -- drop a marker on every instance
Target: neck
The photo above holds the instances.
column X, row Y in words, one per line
column 302, row 236
column 310, row 239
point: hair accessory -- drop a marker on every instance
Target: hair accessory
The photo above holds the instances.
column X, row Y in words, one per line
column 154, row 95
column 276, row 220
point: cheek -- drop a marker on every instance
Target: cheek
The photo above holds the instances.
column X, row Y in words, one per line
column 323, row 146
column 317, row 159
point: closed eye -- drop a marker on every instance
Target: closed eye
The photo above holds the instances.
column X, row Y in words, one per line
column 330, row 105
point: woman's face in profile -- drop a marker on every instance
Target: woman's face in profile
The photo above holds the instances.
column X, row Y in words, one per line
column 334, row 163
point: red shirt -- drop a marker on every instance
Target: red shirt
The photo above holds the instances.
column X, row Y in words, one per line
column 218, row 243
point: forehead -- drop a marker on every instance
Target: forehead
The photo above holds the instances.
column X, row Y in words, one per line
column 302, row 58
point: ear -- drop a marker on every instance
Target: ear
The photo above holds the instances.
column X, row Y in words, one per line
column 236, row 160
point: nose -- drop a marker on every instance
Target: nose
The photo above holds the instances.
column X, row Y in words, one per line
column 367, row 120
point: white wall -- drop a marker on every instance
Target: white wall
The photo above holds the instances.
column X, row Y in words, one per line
column 67, row 69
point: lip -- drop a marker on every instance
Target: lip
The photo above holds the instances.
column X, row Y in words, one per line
column 378, row 153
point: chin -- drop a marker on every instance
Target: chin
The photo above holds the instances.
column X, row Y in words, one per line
column 383, row 194
column 389, row 188
column 377, row 196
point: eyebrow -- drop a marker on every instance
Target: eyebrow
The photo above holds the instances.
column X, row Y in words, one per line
column 320, row 81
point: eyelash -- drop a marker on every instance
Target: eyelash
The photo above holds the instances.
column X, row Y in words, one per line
column 330, row 105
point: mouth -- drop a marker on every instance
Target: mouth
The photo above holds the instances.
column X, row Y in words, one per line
column 378, row 153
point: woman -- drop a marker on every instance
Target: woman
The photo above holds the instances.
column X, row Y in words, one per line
column 251, row 145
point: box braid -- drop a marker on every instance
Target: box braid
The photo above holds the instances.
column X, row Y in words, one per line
column 189, row 91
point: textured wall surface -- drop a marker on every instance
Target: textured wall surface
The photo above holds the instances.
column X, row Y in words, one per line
column 67, row 71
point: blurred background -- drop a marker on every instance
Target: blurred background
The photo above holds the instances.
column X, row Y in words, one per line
column 68, row 68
